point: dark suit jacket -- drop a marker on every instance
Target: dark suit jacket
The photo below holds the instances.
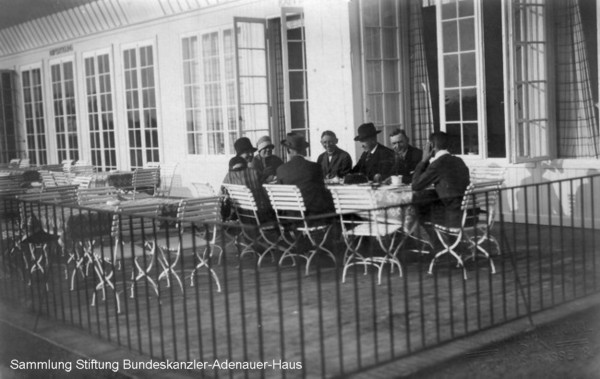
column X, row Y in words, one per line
column 340, row 165
column 381, row 162
column 266, row 168
column 404, row 166
column 308, row 176
column 450, row 176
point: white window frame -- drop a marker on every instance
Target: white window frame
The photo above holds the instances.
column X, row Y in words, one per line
column 98, row 114
column 39, row 152
column 200, row 106
column 479, row 81
column 68, row 149
column 137, row 46
column 403, row 105
column 513, row 100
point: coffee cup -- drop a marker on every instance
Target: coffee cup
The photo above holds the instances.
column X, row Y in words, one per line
column 396, row 180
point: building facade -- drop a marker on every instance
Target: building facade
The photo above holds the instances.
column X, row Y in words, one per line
column 121, row 83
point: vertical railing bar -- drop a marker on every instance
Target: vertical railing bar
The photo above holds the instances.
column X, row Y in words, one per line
column 225, row 287
column 475, row 215
column 538, row 222
column 593, row 216
column 573, row 260
column 583, row 235
column 338, row 311
column 562, row 242
column 527, row 246
column 170, row 281
column 514, row 258
column 320, row 314
column 551, row 245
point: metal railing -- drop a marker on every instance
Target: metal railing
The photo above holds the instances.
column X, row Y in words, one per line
column 85, row 268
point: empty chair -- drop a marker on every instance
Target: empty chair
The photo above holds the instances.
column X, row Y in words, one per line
column 61, row 178
column 196, row 231
column 288, row 204
column 24, row 163
column 167, row 174
column 479, row 198
column 93, row 196
column 356, row 208
column 14, row 163
column 82, row 181
column 137, row 226
column 47, row 179
column 145, row 180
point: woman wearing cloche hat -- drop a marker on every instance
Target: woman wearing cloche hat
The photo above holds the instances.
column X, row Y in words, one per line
column 265, row 162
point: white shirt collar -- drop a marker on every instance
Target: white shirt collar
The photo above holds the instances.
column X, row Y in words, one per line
column 375, row 148
column 438, row 154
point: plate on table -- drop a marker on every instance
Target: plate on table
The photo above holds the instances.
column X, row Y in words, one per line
column 113, row 203
column 36, row 184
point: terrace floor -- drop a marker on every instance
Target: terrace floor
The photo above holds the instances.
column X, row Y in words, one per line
column 270, row 314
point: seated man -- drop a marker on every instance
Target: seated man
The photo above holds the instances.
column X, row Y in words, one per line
column 334, row 162
column 306, row 175
column 266, row 163
column 407, row 156
column 377, row 161
column 240, row 173
column 450, row 177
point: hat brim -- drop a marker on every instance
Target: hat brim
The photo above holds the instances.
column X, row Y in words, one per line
column 267, row 147
column 252, row 150
column 362, row 138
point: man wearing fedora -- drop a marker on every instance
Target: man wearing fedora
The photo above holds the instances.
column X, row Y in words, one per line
column 335, row 162
column 265, row 162
column 377, row 161
column 308, row 176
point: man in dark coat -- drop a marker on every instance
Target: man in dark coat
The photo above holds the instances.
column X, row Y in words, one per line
column 407, row 156
column 377, row 161
column 308, row 176
column 450, row 177
column 334, row 162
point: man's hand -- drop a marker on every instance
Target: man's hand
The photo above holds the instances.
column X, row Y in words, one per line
column 428, row 152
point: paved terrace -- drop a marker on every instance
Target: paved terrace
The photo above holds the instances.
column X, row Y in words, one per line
column 333, row 328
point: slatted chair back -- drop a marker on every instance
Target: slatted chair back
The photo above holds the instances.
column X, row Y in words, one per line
column 14, row 163
column 64, row 194
column 243, row 202
column 83, row 170
column 287, row 202
column 82, row 162
column 352, row 200
column 135, row 222
column 82, row 181
column 10, row 182
column 55, row 197
column 486, row 174
column 480, row 197
column 24, row 163
column 61, row 178
column 47, row 178
column 167, row 174
column 145, row 178
column 199, row 210
column 93, row 196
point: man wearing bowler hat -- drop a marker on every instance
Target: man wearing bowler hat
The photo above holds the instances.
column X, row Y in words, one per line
column 377, row 161
column 306, row 175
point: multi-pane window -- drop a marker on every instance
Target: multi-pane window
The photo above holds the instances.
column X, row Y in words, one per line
column 531, row 78
column 65, row 115
column 8, row 120
column 140, row 97
column 458, row 56
column 33, row 107
column 100, row 112
column 381, row 73
column 296, row 71
column 210, row 92
column 253, row 81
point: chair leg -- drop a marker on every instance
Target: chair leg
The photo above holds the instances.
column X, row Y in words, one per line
column 448, row 249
